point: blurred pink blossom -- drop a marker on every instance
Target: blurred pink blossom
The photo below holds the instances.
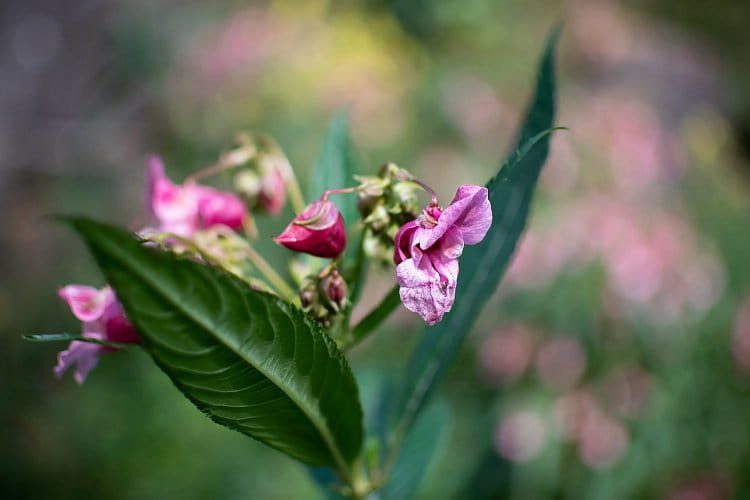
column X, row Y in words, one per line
column 506, row 353
column 626, row 390
column 602, row 441
column 703, row 487
column 653, row 262
column 741, row 336
column 521, row 435
column 560, row 362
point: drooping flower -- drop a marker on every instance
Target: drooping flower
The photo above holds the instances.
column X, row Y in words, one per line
column 427, row 251
column 103, row 319
column 184, row 209
column 319, row 230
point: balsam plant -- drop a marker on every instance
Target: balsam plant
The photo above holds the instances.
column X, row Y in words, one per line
column 266, row 357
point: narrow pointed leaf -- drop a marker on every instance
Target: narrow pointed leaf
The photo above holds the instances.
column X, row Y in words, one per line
column 482, row 266
column 418, row 452
column 247, row 359
column 336, row 167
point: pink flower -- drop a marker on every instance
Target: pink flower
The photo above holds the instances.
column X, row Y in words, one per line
column 184, row 209
column 219, row 207
column 103, row 319
column 427, row 251
column 319, row 230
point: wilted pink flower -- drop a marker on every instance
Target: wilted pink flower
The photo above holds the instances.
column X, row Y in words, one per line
column 319, row 230
column 427, row 251
column 103, row 319
column 184, row 209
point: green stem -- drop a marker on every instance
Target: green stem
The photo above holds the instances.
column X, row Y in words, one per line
column 270, row 274
column 374, row 318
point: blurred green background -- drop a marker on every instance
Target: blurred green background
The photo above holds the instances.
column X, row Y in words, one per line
column 614, row 362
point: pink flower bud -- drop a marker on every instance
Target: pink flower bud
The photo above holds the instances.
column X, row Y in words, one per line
column 319, row 230
column 272, row 186
column 333, row 288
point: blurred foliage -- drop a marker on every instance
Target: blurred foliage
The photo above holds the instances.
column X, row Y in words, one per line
column 614, row 361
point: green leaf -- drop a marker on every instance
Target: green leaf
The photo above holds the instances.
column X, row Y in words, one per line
column 482, row 266
column 336, row 167
column 247, row 359
column 417, row 453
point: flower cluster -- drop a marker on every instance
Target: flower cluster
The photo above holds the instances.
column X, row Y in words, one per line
column 387, row 202
column 209, row 223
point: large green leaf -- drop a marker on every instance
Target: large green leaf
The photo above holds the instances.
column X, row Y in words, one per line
column 336, row 167
column 482, row 266
column 247, row 359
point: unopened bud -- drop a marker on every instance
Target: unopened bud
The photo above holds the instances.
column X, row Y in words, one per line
column 333, row 289
column 319, row 230
column 405, row 194
column 247, row 183
column 378, row 219
column 308, row 294
column 369, row 193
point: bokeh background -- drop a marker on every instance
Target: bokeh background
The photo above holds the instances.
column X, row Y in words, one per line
column 614, row 362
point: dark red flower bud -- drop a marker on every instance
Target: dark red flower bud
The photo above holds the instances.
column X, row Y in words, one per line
column 319, row 230
column 333, row 288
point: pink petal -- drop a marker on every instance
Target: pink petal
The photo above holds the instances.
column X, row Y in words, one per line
column 85, row 302
column 403, row 242
column 429, row 286
column 219, row 208
column 470, row 212
column 119, row 329
column 84, row 355
column 175, row 207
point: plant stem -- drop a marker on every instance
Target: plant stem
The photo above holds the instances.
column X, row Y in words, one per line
column 270, row 274
column 374, row 318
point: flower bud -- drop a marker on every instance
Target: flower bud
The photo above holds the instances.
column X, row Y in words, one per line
column 272, row 194
column 308, row 294
column 369, row 194
column 247, row 183
column 333, row 289
column 378, row 219
column 319, row 230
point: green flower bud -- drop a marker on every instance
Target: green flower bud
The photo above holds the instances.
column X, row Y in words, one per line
column 247, row 183
column 378, row 220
